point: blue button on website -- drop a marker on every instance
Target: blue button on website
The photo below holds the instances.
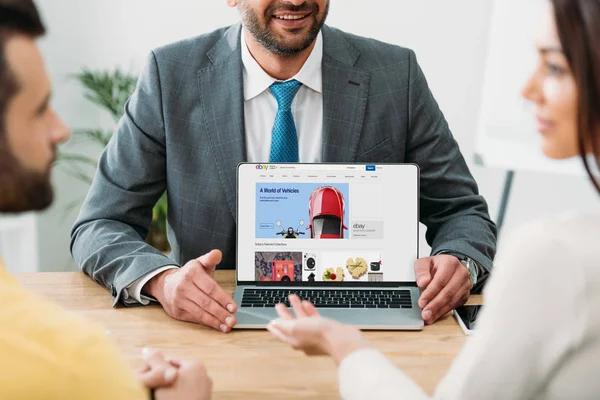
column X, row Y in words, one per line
column 371, row 168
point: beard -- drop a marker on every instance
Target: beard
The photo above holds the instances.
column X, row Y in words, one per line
column 259, row 27
column 21, row 189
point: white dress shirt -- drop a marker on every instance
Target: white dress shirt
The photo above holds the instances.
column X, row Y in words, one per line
column 260, row 109
column 538, row 336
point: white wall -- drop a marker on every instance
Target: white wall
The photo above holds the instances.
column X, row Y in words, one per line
column 450, row 39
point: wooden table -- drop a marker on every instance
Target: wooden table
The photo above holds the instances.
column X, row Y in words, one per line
column 244, row 364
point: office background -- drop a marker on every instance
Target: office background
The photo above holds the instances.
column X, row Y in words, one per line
column 450, row 39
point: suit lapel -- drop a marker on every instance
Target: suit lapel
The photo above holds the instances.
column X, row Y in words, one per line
column 345, row 93
column 222, row 96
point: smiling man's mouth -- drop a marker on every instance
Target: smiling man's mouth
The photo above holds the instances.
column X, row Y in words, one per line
column 290, row 17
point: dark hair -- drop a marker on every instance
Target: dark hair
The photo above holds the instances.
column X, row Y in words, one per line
column 578, row 23
column 17, row 17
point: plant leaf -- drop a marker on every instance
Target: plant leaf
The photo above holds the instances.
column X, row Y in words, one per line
column 79, row 175
column 108, row 89
column 76, row 158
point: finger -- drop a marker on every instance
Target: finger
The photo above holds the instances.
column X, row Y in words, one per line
column 283, row 311
column 153, row 357
column 439, row 313
column 174, row 362
column 433, row 312
column 281, row 335
column 301, row 334
column 196, row 365
column 447, row 309
column 208, row 285
column 296, row 304
column 143, row 369
column 423, row 271
column 158, row 377
column 182, row 315
column 310, row 309
column 286, row 326
column 206, row 303
column 203, row 317
column 447, row 294
column 439, row 281
column 210, row 261
column 157, row 372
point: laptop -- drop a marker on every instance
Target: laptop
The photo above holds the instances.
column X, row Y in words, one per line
column 344, row 236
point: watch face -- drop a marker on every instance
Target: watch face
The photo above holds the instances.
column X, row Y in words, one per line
column 472, row 269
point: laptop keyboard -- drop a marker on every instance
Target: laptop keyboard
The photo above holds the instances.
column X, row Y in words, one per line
column 331, row 298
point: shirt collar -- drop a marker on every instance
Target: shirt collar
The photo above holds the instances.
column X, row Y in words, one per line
column 256, row 80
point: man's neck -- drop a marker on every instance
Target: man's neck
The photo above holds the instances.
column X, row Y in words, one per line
column 279, row 67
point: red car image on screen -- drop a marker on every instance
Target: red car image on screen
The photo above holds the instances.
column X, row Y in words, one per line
column 326, row 210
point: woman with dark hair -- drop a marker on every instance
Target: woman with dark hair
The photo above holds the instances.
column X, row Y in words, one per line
column 540, row 341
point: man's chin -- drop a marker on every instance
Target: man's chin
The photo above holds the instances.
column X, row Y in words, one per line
column 43, row 203
column 291, row 50
column 291, row 44
column 31, row 205
column 22, row 189
column 293, row 37
column 27, row 198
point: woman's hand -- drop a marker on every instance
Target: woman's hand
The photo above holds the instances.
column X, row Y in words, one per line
column 174, row 379
column 192, row 383
column 157, row 371
column 313, row 334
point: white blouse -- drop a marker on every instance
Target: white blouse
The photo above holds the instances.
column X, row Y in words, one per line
column 538, row 336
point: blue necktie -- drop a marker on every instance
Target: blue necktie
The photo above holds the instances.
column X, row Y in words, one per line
column 284, row 142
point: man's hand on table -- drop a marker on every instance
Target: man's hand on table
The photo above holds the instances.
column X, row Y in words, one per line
column 446, row 285
column 173, row 378
column 191, row 294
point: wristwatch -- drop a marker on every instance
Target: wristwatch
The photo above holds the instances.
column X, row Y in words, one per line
column 471, row 266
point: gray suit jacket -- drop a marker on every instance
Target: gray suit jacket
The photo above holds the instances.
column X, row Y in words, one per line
column 183, row 132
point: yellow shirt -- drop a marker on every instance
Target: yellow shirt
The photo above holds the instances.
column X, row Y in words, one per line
column 47, row 353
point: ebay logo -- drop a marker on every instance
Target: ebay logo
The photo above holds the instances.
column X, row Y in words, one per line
column 262, row 167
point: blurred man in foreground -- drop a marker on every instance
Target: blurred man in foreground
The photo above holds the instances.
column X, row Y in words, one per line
column 46, row 352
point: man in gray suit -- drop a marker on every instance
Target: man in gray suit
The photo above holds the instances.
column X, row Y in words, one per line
column 205, row 104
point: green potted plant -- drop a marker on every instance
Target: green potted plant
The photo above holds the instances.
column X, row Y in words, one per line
column 110, row 90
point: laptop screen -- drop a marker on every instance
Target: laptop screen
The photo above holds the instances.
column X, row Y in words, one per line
column 327, row 224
